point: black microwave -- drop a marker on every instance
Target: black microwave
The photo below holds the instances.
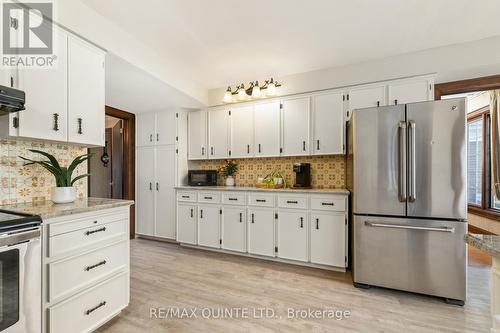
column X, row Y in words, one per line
column 202, row 177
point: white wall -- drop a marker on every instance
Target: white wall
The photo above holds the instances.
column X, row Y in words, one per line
column 84, row 21
column 455, row 62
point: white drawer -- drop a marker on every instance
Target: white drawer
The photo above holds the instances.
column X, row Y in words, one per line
column 292, row 201
column 90, row 309
column 75, row 273
column 262, row 200
column 186, row 196
column 210, row 197
column 331, row 203
column 76, row 223
column 233, row 198
column 86, row 237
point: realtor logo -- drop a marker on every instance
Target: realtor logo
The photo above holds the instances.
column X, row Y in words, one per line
column 27, row 28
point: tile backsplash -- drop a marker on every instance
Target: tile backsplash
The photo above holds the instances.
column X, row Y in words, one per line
column 326, row 171
column 31, row 183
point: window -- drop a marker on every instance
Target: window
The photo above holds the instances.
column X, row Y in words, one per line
column 475, row 161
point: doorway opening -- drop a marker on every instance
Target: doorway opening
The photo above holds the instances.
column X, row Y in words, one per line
column 112, row 167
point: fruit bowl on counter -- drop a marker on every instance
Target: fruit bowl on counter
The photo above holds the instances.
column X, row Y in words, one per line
column 273, row 180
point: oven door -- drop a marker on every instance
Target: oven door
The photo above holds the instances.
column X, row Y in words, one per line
column 20, row 282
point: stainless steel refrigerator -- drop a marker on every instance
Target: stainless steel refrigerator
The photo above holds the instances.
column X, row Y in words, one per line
column 406, row 169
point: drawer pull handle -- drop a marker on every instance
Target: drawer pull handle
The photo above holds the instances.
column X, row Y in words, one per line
column 89, row 311
column 207, row 198
column 327, row 204
column 233, row 199
column 185, row 196
column 292, row 202
column 260, row 200
column 88, row 268
column 90, row 232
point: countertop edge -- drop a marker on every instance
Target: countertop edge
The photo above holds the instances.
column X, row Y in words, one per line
column 489, row 244
column 254, row 189
column 41, row 209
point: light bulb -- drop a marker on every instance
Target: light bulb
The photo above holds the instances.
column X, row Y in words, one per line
column 256, row 90
column 228, row 96
column 271, row 89
column 242, row 94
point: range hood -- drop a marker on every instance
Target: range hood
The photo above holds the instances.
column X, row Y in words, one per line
column 11, row 100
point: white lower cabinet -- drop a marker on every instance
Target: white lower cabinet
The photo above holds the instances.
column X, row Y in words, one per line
column 234, row 228
column 308, row 228
column 328, row 238
column 208, row 225
column 261, row 231
column 292, row 235
column 186, row 223
column 85, row 282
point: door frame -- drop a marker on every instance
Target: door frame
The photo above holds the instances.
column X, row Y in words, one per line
column 128, row 159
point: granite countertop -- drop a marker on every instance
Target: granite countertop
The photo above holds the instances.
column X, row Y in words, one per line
column 487, row 243
column 255, row 189
column 48, row 209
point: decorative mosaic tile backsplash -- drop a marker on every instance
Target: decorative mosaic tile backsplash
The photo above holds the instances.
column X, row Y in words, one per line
column 20, row 183
column 326, row 171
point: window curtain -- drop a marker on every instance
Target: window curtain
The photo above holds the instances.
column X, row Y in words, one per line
column 495, row 141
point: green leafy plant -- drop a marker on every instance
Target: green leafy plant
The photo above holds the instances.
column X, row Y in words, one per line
column 269, row 179
column 63, row 175
column 229, row 169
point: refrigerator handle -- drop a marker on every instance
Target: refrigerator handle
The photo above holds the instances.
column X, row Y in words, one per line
column 412, row 164
column 402, row 161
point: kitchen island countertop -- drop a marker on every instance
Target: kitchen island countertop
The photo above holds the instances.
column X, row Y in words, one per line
column 48, row 209
column 486, row 243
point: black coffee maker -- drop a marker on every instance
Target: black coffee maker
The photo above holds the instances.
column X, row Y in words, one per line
column 302, row 175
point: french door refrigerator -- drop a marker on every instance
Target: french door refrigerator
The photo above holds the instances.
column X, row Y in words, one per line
column 406, row 169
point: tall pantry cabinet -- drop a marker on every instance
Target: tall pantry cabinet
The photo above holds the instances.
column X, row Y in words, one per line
column 158, row 147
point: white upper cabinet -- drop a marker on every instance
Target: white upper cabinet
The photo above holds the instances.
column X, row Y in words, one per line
column 241, row 127
column 367, row 96
column 267, row 129
column 46, row 91
column 295, row 127
column 166, row 128
column 197, row 137
column 156, row 129
column 86, row 114
column 218, row 133
column 411, row 91
column 328, row 123
column 145, row 135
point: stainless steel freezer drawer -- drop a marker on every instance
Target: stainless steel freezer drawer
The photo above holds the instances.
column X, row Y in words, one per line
column 423, row 256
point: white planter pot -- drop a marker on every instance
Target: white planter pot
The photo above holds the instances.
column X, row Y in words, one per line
column 63, row 194
column 230, row 181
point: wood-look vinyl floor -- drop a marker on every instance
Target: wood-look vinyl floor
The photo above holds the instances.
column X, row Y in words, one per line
column 167, row 275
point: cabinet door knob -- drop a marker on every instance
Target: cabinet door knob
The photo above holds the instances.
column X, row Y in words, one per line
column 80, row 120
column 56, row 122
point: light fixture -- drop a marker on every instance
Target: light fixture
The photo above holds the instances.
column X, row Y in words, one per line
column 256, row 90
column 228, row 96
column 269, row 88
column 242, row 94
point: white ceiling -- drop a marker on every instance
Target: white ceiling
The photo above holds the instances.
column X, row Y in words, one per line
column 231, row 41
column 131, row 89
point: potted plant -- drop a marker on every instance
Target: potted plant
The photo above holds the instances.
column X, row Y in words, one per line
column 229, row 170
column 64, row 191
